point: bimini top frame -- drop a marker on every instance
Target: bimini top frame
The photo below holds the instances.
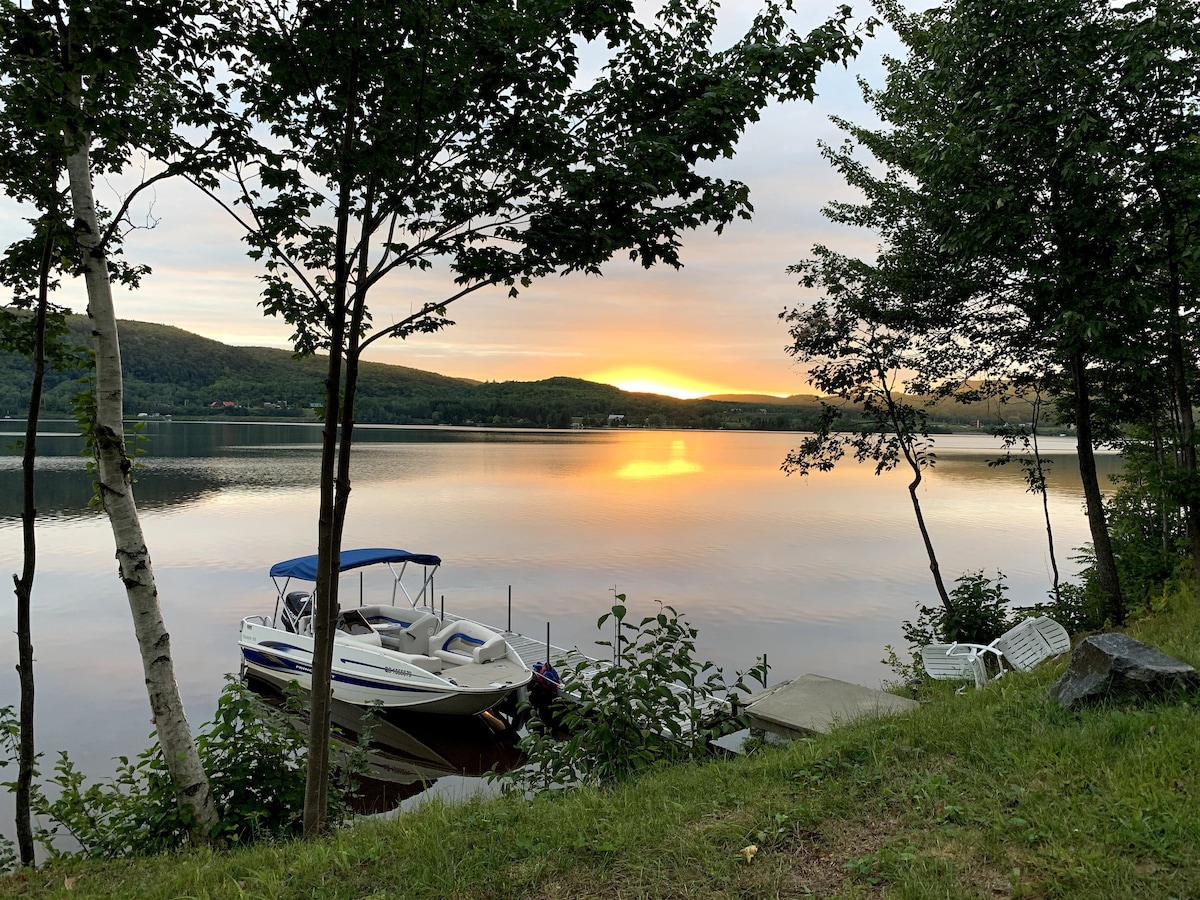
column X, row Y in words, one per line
column 304, row 568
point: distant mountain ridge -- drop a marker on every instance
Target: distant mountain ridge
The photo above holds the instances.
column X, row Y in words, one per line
column 170, row 371
column 765, row 399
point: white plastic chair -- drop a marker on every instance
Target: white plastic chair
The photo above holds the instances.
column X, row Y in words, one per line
column 1032, row 640
column 956, row 662
column 1022, row 647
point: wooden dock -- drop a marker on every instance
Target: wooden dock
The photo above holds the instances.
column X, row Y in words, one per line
column 533, row 651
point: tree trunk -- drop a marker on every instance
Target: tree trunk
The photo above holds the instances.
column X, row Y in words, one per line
column 1161, row 496
column 26, row 756
column 325, row 602
column 933, row 562
column 1106, row 564
column 1187, row 420
column 1055, row 579
column 1043, row 487
column 116, row 495
column 329, row 543
column 1180, row 382
column 358, row 311
column 325, row 611
column 904, row 436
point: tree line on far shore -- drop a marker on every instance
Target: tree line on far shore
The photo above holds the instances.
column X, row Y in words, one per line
column 172, row 372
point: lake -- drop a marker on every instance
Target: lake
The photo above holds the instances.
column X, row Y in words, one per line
column 816, row 573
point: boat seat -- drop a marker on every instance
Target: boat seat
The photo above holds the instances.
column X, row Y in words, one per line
column 353, row 626
column 466, row 642
column 388, row 616
column 304, row 626
column 411, row 638
column 493, row 648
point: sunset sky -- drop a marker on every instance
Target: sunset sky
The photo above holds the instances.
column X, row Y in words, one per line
column 711, row 327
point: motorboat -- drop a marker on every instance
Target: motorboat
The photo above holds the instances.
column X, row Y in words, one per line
column 398, row 655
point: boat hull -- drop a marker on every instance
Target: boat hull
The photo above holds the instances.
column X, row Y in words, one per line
column 368, row 676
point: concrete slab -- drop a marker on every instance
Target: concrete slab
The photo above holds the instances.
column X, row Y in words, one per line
column 814, row 704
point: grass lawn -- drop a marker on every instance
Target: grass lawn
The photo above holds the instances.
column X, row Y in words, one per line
column 989, row 794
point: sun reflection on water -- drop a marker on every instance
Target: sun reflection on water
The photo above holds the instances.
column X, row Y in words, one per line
column 649, row 468
column 678, row 464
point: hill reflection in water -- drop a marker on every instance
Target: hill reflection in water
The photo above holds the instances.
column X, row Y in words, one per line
column 180, row 463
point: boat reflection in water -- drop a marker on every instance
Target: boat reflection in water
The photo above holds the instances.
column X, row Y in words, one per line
column 409, row 752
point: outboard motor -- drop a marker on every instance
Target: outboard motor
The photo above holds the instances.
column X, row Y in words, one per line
column 296, row 605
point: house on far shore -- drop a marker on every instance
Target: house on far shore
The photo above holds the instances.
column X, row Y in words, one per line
column 615, row 419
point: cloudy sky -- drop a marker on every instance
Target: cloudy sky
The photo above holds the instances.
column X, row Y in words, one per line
column 711, row 327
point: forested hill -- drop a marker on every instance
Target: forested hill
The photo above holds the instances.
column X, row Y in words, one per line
column 169, row 371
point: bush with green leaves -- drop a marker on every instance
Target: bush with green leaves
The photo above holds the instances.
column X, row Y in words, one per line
column 978, row 615
column 253, row 752
column 655, row 704
column 1148, row 532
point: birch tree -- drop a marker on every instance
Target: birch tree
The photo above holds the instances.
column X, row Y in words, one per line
column 90, row 83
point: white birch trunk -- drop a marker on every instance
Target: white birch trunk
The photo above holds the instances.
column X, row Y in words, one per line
column 116, row 493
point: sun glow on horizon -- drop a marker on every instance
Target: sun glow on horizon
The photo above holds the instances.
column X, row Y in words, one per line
column 648, row 380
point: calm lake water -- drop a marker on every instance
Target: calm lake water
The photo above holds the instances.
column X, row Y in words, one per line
column 816, row 573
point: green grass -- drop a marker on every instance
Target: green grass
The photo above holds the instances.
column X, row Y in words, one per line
column 990, row 794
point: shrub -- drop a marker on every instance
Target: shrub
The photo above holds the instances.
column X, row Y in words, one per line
column 254, row 755
column 978, row 615
column 657, row 704
column 1148, row 533
column 1080, row 607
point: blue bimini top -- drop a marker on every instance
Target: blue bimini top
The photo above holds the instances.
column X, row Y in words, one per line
column 304, row 568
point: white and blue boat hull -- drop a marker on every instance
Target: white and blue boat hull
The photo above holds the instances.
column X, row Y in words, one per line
column 366, row 675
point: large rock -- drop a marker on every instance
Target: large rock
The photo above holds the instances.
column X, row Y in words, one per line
column 1115, row 666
